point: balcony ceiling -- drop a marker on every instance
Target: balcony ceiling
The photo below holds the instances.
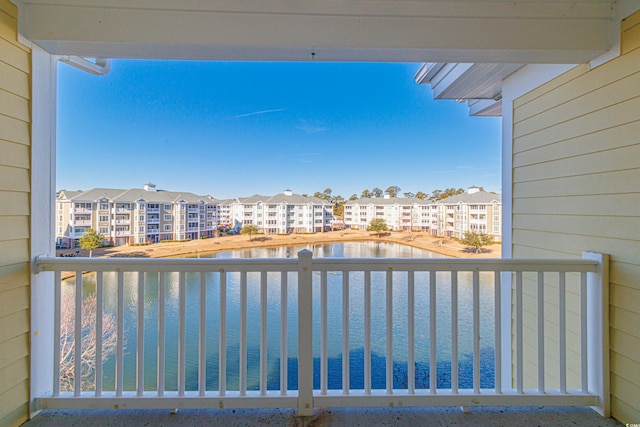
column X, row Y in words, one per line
column 464, row 31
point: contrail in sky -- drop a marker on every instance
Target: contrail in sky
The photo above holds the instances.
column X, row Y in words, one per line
column 255, row 113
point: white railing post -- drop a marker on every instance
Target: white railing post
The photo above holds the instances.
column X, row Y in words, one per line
column 305, row 329
column 598, row 332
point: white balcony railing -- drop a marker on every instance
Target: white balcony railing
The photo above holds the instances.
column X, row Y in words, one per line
column 307, row 287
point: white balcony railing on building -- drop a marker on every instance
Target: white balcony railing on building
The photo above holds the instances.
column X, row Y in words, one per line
column 303, row 285
column 82, row 223
column 123, row 221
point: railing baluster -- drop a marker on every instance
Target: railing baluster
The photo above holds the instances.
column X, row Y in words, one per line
column 519, row 338
column 57, row 308
column 140, row 337
column 120, row 339
column 562, row 324
column 284, row 365
column 243, row 334
column 182, row 333
column 541, row 385
column 389, row 331
column 324, row 371
column 202, row 338
column 411, row 375
column 77, row 348
column 222, row 342
column 263, row 333
column 99, row 314
column 476, row 331
column 161, row 331
column 497, row 353
column 454, row 332
column 345, row 332
column 583, row 334
column 367, row 332
column 432, row 332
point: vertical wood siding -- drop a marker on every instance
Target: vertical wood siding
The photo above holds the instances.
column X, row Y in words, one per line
column 15, row 159
column 576, row 157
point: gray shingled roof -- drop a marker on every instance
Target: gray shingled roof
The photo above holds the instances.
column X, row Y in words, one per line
column 479, row 197
column 390, row 201
column 134, row 194
column 294, row 199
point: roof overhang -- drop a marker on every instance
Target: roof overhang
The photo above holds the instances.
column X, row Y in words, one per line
column 471, row 31
column 480, row 85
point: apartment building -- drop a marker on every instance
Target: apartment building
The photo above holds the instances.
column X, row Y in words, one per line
column 474, row 211
column 400, row 214
column 283, row 213
column 125, row 217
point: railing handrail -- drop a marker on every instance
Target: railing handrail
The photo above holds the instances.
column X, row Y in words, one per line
column 319, row 264
column 509, row 331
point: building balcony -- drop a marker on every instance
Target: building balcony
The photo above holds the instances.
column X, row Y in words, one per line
column 81, row 211
column 153, row 220
column 123, row 233
column 123, row 221
column 123, row 210
column 405, row 381
column 82, row 223
column 153, row 210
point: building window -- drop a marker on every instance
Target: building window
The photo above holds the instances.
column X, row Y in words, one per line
column 167, row 207
column 104, row 230
column 167, row 227
column 104, row 206
column 167, row 217
column 104, row 218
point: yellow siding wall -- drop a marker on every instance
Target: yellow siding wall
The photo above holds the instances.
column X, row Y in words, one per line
column 15, row 107
column 576, row 187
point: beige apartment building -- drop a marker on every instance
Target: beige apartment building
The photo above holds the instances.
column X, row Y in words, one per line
column 134, row 216
column 283, row 213
column 474, row 211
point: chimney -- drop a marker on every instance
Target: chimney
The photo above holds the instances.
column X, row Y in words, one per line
column 150, row 187
column 288, row 192
column 387, row 196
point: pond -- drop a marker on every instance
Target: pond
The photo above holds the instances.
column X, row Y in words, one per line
column 334, row 293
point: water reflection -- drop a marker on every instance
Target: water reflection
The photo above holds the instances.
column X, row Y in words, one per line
column 335, row 332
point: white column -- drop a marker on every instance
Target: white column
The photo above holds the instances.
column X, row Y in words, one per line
column 43, row 179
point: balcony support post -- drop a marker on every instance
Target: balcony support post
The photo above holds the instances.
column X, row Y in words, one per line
column 598, row 332
column 305, row 339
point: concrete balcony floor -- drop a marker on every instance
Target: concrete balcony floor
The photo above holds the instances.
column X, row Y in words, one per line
column 414, row 417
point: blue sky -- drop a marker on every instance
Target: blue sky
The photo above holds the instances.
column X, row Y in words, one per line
column 232, row 129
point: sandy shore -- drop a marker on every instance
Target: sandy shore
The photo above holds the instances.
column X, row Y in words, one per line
column 446, row 247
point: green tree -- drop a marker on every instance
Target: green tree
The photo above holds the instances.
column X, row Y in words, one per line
column 353, row 197
column 91, row 240
column 376, row 192
column 409, row 195
column 420, row 195
column 393, row 190
column 377, row 225
column 475, row 241
column 249, row 229
column 365, row 194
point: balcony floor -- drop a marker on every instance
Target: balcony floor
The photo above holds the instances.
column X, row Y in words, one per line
column 430, row 416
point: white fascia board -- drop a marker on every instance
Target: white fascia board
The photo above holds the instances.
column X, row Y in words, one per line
column 446, row 77
column 485, row 107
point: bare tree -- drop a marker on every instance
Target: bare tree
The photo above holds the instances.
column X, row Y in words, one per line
column 88, row 342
